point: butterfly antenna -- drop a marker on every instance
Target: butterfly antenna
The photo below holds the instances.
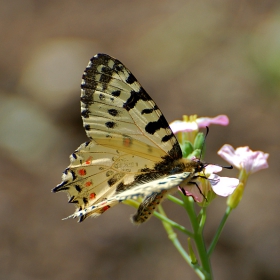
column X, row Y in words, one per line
column 226, row 167
column 207, row 131
column 203, row 145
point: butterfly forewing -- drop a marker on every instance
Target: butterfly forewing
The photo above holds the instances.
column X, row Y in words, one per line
column 132, row 150
column 113, row 101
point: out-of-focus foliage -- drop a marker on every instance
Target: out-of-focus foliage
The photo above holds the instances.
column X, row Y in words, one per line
column 193, row 57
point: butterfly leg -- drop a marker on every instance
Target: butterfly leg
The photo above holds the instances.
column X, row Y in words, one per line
column 194, row 183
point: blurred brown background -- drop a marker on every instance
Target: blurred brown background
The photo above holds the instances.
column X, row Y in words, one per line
column 193, row 57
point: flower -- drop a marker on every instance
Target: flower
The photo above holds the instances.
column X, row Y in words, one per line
column 193, row 123
column 223, row 186
column 247, row 162
column 187, row 130
column 244, row 158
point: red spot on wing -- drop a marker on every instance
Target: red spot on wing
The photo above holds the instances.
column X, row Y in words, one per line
column 105, row 208
column 92, row 195
column 127, row 142
column 82, row 172
column 88, row 161
column 88, row 184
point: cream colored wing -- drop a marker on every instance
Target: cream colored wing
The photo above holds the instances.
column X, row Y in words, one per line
column 130, row 140
column 113, row 103
column 161, row 186
column 98, row 172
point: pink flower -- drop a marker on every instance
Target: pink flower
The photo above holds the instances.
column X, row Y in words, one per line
column 193, row 123
column 220, row 120
column 244, row 158
column 223, row 186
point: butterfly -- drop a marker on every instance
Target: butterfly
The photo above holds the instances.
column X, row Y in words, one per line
column 131, row 151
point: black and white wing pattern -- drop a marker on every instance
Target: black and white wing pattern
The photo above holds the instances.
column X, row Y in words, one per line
column 131, row 152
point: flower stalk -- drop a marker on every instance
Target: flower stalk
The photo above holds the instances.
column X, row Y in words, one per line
column 205, row 188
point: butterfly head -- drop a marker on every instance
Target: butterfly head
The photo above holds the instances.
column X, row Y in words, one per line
column 199, row 165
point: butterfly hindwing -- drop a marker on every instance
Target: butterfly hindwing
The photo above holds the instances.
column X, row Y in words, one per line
column 158, row 188
column 96, row 172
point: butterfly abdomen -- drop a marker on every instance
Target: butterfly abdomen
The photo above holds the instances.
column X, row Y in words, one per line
column 150, row 203
column 148, row 206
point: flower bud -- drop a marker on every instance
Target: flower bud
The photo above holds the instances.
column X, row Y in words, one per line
column 199, row 141
column 234, row 199
column 196, row 153
column 187, row 148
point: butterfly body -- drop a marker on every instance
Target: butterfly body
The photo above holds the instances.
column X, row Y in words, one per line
column 132, row 151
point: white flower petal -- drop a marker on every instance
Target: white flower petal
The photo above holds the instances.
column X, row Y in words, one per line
column 211, row 168
column 181, row 126
column 225, row 186
column 227, row 152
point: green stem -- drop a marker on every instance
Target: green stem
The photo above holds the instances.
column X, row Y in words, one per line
column 131, row 202
column 173, row 224
column 175, row 200
column 161, row 217
column 198, row 237
column 202, row 220
column 173, row 237
column 219, row 231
